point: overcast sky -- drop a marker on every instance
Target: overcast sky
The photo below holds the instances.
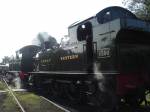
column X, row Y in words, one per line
column 22, row 20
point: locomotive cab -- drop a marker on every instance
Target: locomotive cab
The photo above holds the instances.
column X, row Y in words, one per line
column 115, row 46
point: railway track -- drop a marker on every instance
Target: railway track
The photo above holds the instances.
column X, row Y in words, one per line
column 61, row 105
column 69, row 105
column 23, row 107
column 91, row 108
column 14, row 97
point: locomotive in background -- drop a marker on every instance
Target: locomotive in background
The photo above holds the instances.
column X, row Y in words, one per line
column 105, row 61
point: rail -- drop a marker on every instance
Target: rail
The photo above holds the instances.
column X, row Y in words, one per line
column 55, row 104
column 15, row 98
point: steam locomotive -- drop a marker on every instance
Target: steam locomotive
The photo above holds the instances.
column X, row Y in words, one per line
column 105, row 61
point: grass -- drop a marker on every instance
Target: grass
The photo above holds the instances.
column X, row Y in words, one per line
column 29, row 101
column 8, row 104
column 34, row 103
column 2, row 86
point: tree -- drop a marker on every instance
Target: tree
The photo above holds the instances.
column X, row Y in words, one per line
column 140, row 7
column 6, row 60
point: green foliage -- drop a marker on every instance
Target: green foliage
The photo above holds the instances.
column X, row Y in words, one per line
column 140, row 7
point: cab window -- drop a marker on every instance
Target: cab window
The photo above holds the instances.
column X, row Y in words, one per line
column 83, row 31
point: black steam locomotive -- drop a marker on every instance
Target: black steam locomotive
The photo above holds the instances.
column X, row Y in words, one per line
column 105, row 61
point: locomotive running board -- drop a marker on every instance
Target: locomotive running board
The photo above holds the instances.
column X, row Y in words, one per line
column 72, row 72
column 61, row 74
column 68, row 74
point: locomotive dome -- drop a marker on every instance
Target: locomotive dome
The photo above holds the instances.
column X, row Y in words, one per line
column 113, row 12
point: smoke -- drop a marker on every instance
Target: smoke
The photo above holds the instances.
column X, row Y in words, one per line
column 17, row 81
column 35, row 41
column 99, row 76
column 46, row 41
column 41, row 37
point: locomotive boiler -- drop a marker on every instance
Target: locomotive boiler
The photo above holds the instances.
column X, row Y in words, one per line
column 105, row 61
